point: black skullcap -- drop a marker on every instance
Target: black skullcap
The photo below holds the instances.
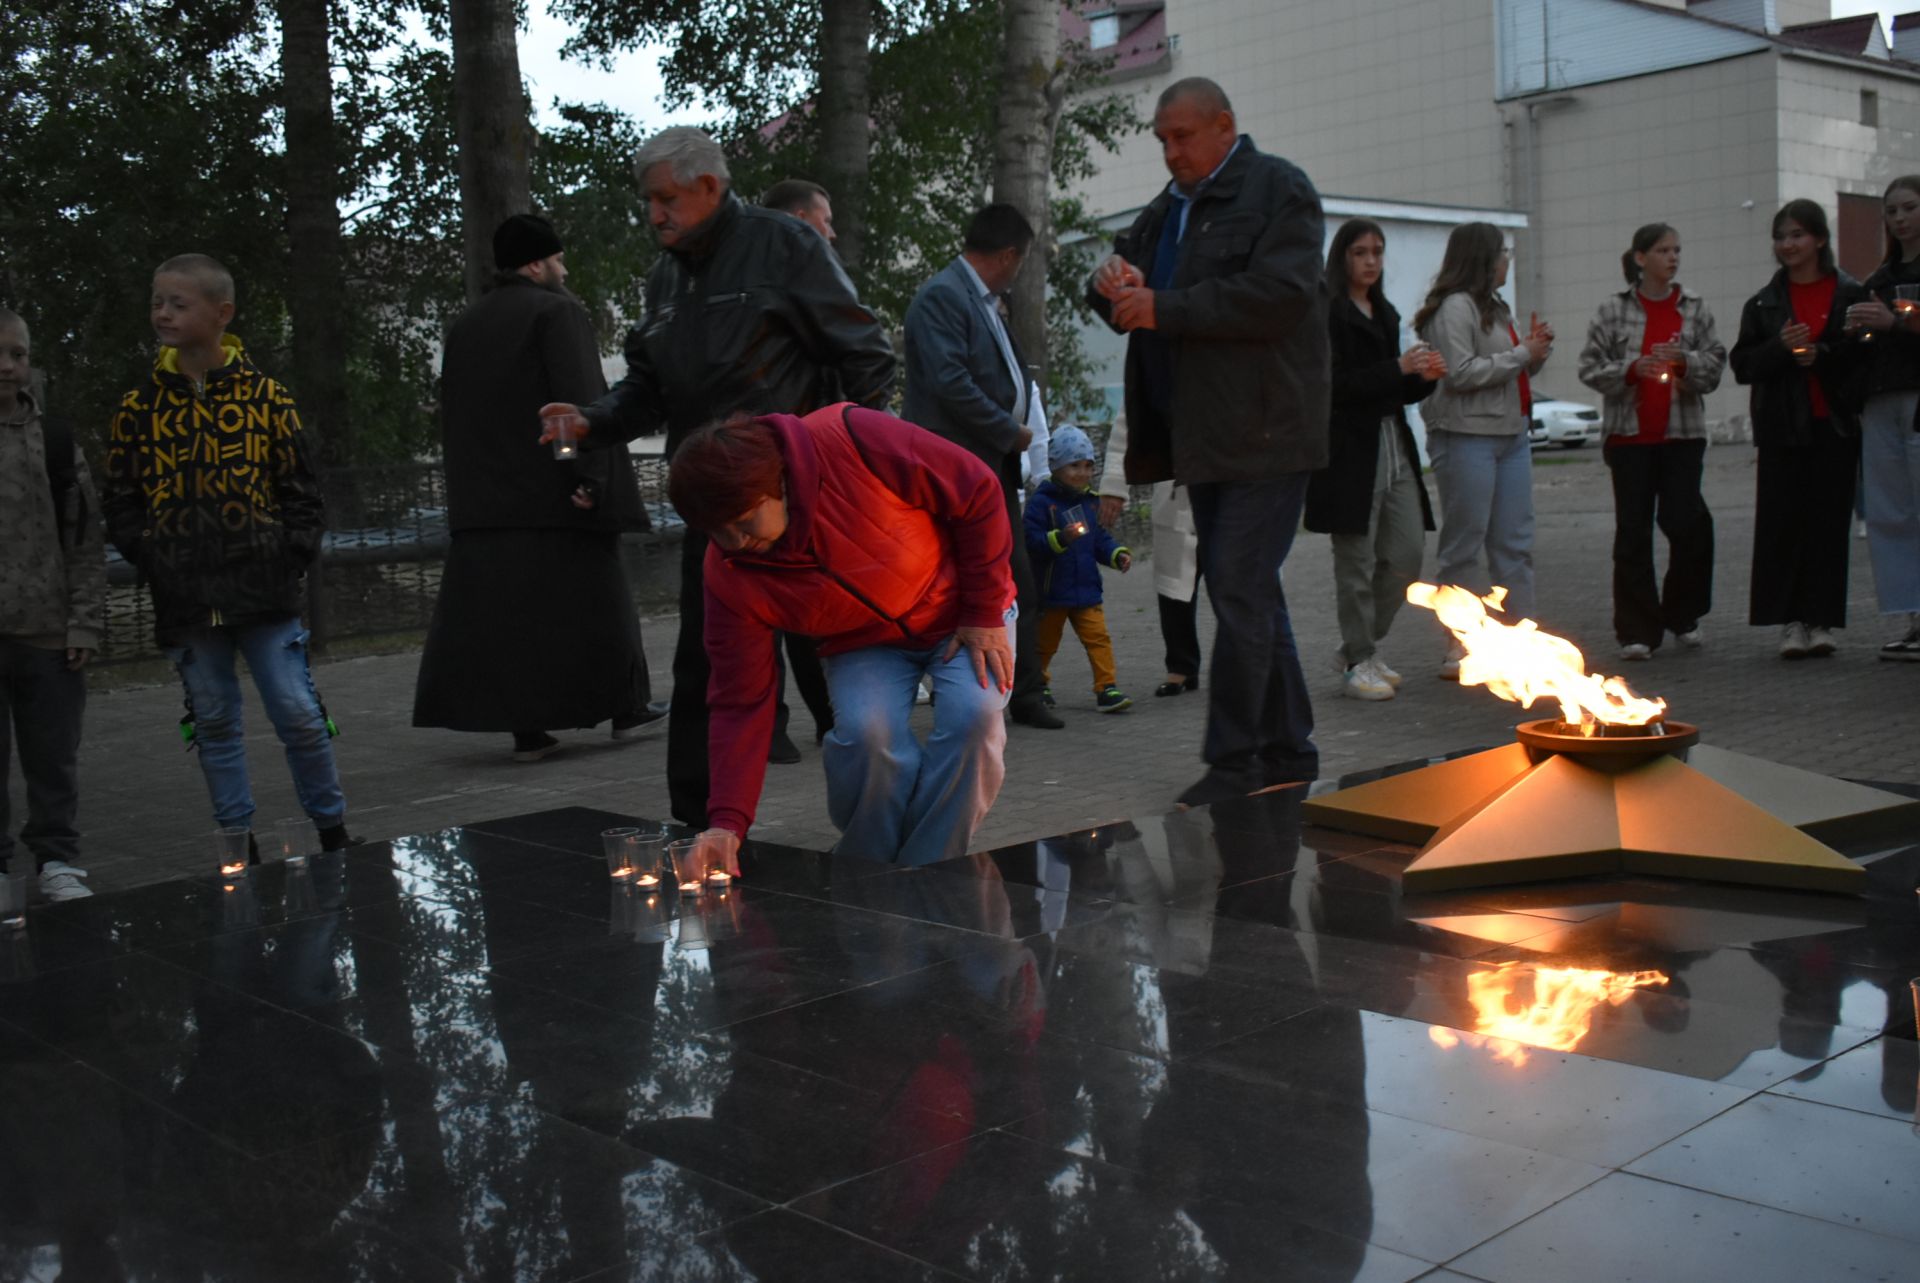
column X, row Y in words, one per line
column 523, row 239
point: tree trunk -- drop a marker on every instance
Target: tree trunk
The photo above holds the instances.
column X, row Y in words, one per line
column 490, row 128
column 314, row 295
column 1032, row 90
column 846, row 26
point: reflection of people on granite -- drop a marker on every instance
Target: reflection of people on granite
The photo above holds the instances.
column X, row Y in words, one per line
column 888, row 546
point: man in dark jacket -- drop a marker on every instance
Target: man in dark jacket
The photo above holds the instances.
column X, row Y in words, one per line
column 1219, row 283
column 966, row 382
column 536, row 540
column 747, row 312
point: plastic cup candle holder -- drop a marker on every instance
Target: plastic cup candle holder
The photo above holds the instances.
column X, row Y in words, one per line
column 1076, row 519
column 230, row 849
column 688, row 864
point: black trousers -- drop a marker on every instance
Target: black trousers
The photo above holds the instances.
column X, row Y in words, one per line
column 1029, row 675
column 1802, row 528
column 802, row 663
column 40, row 707
column 1659, row 485
column 1180, row 631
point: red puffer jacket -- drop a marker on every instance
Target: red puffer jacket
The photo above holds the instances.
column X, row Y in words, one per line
column 895, row 537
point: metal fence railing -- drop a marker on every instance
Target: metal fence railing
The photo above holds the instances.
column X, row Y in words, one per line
column 379, row 571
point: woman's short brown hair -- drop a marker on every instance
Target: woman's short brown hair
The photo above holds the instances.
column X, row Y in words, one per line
column 723, row 469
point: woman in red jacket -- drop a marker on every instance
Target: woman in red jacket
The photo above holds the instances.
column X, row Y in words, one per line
column 889, row 546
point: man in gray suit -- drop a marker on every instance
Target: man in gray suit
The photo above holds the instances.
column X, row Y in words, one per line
column 966, row 382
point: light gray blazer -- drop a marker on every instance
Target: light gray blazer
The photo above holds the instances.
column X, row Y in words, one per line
column 1481, row 393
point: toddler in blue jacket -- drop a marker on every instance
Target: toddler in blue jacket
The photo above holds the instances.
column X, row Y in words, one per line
column 1068, row 546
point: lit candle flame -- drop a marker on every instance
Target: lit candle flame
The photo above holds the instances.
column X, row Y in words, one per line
column 233, row 870
column 1521, row 664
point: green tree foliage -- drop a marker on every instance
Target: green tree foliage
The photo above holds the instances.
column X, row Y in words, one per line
column 935, row 67
column 133, row 133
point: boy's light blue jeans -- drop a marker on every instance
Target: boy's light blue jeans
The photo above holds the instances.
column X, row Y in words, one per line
column 276, row 655
column 893, row 798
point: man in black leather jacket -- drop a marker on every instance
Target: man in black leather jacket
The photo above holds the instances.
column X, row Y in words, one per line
column 747, row 312
column 1220, row 285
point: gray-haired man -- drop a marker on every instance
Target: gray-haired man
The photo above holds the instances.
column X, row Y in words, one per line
column 747, row 312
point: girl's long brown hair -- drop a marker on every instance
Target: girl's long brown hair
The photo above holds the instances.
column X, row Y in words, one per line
column 1907, row 182
column 1468, row 267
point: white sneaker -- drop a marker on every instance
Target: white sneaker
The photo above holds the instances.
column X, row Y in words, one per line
column 1450, row 666
column 62, row 881
column 1636, row 650
column 1820, row 641
column 1387, row 675
column 1691, row 639
column 1363, row 681
column 1793, row 641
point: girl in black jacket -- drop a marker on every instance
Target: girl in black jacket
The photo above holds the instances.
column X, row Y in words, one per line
column 1804, row 368
column 1370, row 497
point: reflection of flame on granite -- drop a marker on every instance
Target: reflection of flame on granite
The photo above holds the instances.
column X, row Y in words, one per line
column 1610, row 786
column 1556, row 1014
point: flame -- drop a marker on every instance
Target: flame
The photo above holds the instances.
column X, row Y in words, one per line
column 1520, row 663
column 1560, row 1013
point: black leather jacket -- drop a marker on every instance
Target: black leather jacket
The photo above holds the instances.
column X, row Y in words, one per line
column 750, row 314
column 1246, row 324
column 1782, row 413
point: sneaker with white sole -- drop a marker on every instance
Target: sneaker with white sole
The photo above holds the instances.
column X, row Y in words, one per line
column 1387, row 675
column 1363, row 681
column 1906, row 647
column 1691, row 639
column 1636, row 650
column 1793, row 641
column 62, row 881
column 1820, row 641
column 1450, row 666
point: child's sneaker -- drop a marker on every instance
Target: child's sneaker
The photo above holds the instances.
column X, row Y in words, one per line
column 1046, row 696
column 1111, row 700
column 62, row 881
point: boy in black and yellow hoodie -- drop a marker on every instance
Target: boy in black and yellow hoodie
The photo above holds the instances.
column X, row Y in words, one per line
column 210, row 494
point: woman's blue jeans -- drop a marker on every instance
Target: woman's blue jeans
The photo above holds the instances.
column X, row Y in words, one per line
column 892, row 797
column 276, row 655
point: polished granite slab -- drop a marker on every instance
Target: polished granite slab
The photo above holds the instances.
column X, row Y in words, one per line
column 1216, row 1044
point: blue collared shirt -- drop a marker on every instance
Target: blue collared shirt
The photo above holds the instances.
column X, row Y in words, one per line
column 1184, row 202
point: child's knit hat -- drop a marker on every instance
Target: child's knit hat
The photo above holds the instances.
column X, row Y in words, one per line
column 1068, row 445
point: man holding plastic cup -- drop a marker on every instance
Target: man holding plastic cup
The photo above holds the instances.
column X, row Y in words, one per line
column 888, row 546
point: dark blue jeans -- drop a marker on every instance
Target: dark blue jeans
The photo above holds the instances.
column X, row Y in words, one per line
column 40, row 707
column 1259, row 717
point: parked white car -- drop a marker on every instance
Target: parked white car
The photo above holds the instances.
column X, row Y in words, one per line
column 1568, row 424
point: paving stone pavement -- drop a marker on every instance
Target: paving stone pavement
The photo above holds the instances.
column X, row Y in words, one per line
column 145, row 814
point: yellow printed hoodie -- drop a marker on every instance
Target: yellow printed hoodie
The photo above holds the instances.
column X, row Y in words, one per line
column 210, row 493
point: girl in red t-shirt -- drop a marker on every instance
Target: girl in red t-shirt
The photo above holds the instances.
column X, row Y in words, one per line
column 1653, row 353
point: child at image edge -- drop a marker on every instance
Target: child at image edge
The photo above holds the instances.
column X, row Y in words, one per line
column 1067, row 556
column 211, row 495
column 53, row 589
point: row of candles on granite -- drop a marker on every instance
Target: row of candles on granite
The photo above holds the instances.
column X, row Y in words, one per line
column 644, row 867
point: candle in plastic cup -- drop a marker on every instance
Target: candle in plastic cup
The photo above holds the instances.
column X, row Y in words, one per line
column 620, row 848
column 652, row 844
column 1906, row 299
column 1076, row 519
column 230, row 849
column 689, row 864
column 565, row 438
column 291, row 835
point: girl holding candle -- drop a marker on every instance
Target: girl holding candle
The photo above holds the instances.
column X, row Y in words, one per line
column 1652, row 352
column 1369, row 497
column 1805, row 370
column 1477, row 422
column 1889, row 428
